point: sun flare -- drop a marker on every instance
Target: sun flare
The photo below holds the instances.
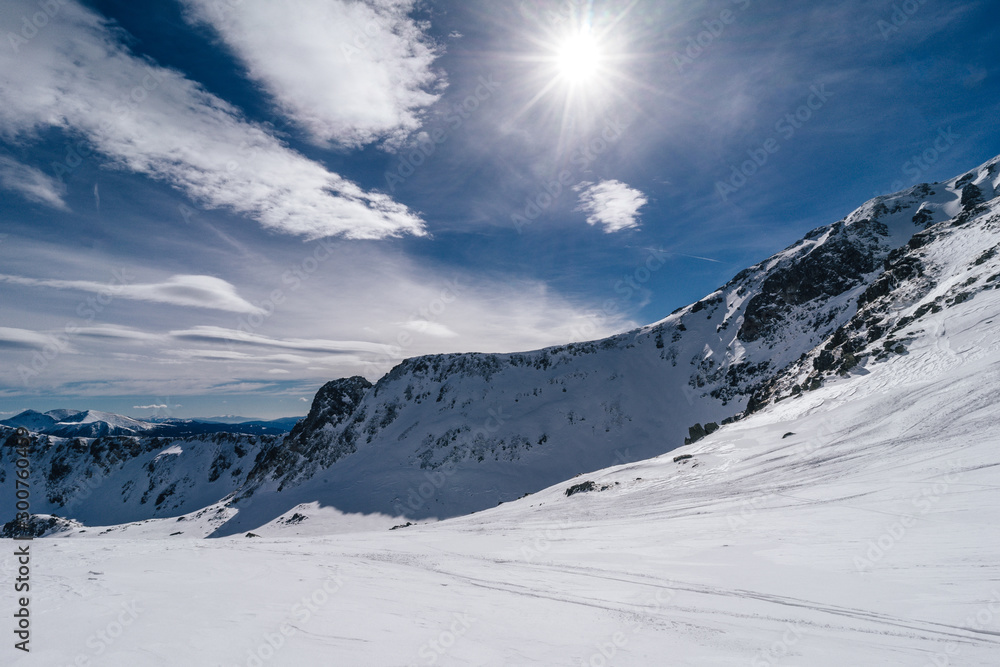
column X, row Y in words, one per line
column 579, row 57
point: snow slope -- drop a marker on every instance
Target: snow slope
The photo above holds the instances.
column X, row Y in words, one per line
column 850, row 525
column 446, row 435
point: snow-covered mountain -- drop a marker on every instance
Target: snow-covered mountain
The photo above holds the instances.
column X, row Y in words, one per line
column 451, row 434
column 849, row 522
column 79, row 424
column 446, row 435
column 95, row 424
column 117, row 479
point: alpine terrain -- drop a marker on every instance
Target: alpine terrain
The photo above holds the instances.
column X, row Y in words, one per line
column 800, row 468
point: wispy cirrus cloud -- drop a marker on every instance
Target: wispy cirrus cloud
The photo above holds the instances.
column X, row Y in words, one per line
column 116, row 332
column 182, row 290
column 435, row 329
column 11, row 337
column 611, row 204
column 232, row 336
column 76, row 75
column 351, row 73
column 32, row 184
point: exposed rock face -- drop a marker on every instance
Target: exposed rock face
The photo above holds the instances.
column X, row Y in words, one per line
column 319, row 438
column 38, row 525
column 947, row 264
column 838, row 265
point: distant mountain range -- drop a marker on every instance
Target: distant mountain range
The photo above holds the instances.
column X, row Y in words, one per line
column 96, row 424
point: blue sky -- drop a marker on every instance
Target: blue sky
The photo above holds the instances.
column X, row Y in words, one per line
column 214, row 206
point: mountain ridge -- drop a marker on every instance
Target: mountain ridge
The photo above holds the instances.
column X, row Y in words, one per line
column 451, row 434
column 95, row 423
column 487, row 417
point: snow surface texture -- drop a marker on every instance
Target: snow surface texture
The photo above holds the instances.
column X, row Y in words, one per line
column 849, row 519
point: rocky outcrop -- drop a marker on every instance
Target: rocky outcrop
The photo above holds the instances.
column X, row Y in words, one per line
column 318, row 439
column 948, row 264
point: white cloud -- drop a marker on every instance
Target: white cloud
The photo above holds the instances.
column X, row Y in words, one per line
column 314, row 332
column 75, row 75
column 119, row 333
column 208, row 333
column 435, row 329
column 23, row 338
column 350, row 72
column 151, row 407
column 33, row 184
column 252, row 359
column 197, row 291
column 610, row 203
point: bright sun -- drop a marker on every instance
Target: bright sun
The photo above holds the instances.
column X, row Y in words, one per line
column 579, row 57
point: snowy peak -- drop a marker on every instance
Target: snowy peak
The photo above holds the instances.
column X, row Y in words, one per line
column 96, row 424
column 73, row 423
column 316, row 441
column 945, row 265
